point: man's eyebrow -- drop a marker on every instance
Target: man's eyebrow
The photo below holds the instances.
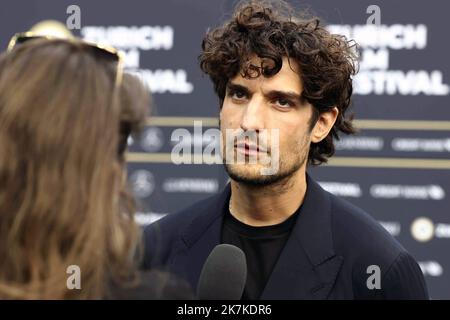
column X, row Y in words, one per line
column 237, row 87
column 292, row 95
column 284, row 94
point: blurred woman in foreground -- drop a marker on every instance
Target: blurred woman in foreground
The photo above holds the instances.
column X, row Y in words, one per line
column 65, row 115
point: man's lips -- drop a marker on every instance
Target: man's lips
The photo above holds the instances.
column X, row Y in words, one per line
column 249, row 148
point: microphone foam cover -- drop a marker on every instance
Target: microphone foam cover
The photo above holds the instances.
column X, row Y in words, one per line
column 223, row 275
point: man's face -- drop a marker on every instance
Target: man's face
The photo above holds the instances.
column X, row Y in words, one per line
column 266, row 104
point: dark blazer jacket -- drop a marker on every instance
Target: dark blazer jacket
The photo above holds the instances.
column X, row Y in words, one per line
column 326, row 256
column 151, row 285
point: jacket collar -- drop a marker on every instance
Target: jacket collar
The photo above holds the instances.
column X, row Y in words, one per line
column 307, row 267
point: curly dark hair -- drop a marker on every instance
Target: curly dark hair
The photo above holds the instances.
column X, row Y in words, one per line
column 272, row 31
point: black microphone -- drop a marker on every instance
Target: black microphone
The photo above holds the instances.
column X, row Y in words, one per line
column 223, row 275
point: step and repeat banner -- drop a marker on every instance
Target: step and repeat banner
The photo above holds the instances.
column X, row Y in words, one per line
column 397, row 167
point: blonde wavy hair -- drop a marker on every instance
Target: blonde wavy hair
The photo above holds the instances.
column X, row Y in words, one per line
column 63, row 197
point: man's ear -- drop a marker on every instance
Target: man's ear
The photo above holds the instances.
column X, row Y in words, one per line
column 324, row 124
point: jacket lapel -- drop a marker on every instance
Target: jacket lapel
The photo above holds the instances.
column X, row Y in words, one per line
column 200, row 237
column 307, row 267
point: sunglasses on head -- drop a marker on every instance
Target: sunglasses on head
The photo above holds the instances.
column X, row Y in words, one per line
column 105, row 52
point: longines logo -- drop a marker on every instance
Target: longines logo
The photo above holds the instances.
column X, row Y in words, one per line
column 196, row 185
column 342, row 189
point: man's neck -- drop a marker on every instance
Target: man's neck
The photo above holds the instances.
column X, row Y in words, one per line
column 268, row 205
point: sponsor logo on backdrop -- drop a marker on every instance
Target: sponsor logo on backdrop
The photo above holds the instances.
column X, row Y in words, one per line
column 376, row 76
column 422, row 229
column 142, row 183
column 132, row 41
column 360, row 143
column 145, row 218
column 191, row 185
column 423, row 145
column 431, row 268
column 390, row 191
column 442, row 230
column 124, row 37
column 392, row 227
column 342, row 189
column 152, row 139
column 166, row 81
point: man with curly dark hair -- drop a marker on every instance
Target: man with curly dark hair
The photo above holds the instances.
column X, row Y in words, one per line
column 284, row 86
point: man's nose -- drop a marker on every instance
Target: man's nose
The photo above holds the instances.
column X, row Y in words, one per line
column 254, row 115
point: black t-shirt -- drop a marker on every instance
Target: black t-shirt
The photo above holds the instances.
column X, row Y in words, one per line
column 262, row 247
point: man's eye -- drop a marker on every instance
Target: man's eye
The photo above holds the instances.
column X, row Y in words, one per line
column 238, row 95
column 284, row 103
